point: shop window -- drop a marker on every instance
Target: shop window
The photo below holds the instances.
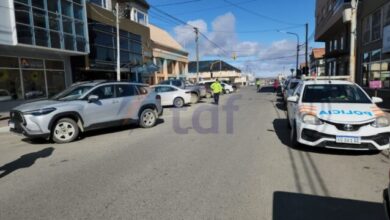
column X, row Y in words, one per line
column 10, row 85
column 55, row 82
column 376, row 55
column 27, row 63
column 366, row 57
column 376, row 25
column 10, row 62
column 34, row 84
column 54, row 65
column 22, row 14
column 103, row 39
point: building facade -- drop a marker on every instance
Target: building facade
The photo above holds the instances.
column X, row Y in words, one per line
column 373, row 59
column 37, row 40
column 335, row 33
column 317, row 62
column 168, row 55
column 135, row 44
column 215, row 69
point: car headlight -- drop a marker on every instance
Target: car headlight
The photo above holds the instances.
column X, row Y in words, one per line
column 311, row 119
column 381, row 122
column 38, row 112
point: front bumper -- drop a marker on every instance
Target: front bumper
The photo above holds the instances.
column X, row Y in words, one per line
column 325, row 136
column 20, row 128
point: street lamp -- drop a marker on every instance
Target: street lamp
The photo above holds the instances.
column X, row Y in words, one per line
column 212, row 65
column 296, row 35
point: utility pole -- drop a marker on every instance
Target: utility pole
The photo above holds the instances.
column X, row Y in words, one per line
column 118, row 49
column 197, row 53
column 352, row 58
column 306, row 72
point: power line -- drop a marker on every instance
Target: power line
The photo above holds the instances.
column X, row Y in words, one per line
column 177, row 3
column 258, row 14
column 213, row 8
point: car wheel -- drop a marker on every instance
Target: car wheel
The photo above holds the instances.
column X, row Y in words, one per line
column 227, row 91
column 148, row 118
column 194, row 98
column 65, row 130
column 294, row 137
column 178, row 102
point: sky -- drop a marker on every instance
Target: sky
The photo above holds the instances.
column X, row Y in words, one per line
column 253, row 30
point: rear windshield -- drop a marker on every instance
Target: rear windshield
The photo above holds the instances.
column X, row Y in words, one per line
column 334, row 94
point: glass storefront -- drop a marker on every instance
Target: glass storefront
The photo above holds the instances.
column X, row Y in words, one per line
column 26, row 78
column 374, row 68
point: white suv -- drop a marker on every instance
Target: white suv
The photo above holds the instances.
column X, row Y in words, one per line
column 87, row 106
column 336, row 114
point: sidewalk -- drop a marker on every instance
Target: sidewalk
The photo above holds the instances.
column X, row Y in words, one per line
column 4, row 126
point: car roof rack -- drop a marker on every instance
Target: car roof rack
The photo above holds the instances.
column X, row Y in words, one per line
column 307, row 78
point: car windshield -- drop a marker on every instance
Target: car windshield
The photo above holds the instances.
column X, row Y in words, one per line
column 293, row 85
column 73, row 93
column 334, row 94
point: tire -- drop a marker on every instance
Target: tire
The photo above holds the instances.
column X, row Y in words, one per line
column 227, row 91
column 194, row 98
column 65, row 130
column 148, row 118
column 178, row 102
column 294, row 136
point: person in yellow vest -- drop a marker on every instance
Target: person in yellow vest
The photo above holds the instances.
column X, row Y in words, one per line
column 258, row 84
column 217, row 89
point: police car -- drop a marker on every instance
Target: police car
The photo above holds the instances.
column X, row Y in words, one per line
column 336, row 114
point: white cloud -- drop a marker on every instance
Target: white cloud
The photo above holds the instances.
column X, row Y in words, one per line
column 222, row 33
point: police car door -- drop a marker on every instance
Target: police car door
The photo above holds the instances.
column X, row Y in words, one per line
column 293, row 106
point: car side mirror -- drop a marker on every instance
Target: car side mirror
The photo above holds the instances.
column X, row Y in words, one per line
column 293, row 99
column 93, row 98
column 377, row 100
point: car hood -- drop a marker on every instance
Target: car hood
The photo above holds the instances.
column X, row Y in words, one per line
column 37, row 105
column 343, row 113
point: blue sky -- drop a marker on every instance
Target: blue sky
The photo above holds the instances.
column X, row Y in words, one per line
column 250, row 31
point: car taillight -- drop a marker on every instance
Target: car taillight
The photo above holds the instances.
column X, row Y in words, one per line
column 158, row 97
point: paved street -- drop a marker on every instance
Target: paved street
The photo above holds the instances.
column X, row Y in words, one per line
column 244, row 169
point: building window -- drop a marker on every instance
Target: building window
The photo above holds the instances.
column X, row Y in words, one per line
column 101, row 3
column 335, row 45
column 38, row 22
column 140, row 17
column 342, row 43
column 330, row 46
column 386, row 20
column 376, row 25
column 367, row 29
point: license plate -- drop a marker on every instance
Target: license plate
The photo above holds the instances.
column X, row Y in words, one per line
column 11, row 125
column 348, row 140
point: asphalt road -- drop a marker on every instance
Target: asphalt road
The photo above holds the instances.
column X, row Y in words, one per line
column 235, row 164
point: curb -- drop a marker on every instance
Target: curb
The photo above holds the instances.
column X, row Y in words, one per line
column 4, row 129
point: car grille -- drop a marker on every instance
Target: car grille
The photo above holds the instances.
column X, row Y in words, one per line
column 17, row 117
column 347, row 127
column 362, row 146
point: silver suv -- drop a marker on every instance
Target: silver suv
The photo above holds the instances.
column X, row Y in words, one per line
column 87, row 106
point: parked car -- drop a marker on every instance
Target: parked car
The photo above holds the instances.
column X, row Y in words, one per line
column 290, row 88
column 87, row 106
column 336, row 114
column 227, row 88
column 5, row 95
column 197, row 91
column 172, row 95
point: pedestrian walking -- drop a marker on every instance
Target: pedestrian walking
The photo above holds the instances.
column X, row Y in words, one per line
column 216, row 87
column 258, row 85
